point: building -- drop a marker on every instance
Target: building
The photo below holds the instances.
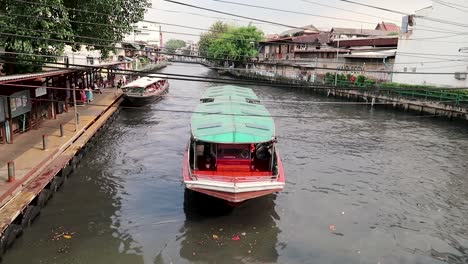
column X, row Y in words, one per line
column 351, row 51
column 390, row 27
column 433, row 41
column 344, row 33
column 146, row 32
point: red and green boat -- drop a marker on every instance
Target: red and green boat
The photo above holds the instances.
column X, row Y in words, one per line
column 232, row 153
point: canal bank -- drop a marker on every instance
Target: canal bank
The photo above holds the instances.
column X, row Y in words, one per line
column 364, row 186
column 43, row 159
column 429, row 102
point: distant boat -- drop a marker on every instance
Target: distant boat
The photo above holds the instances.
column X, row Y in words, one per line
column 232, row 153
column 145, row 90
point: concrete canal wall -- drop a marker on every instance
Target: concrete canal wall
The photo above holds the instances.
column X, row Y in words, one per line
column 41, row 172
column 376, row 97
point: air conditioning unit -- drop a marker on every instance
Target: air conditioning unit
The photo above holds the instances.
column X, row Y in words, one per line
column 460, row 75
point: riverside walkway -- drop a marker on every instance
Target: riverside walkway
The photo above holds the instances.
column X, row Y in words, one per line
column 35, row 167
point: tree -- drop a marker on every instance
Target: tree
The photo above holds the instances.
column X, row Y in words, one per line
column 47, row 25
column 50, row 22
column 105, row 22
column 206, row 39
column 239, row 44
column 173, row 44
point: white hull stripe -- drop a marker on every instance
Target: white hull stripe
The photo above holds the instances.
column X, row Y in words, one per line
column 235, row 187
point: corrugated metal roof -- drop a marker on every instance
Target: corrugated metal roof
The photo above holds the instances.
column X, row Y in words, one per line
column 359, row 31
column 29, row 76
column 305, row 29
column 373, row 54
column 232, row 115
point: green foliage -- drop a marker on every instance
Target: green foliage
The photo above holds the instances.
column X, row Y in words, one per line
column 236, row 44
column 51, row 22
column 118, row 15
column 54, row 25
column 206, row 39
column 173, row 44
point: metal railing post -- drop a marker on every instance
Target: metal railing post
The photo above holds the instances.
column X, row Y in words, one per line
column 11, row 171
column 62, row 131
column 45, row 142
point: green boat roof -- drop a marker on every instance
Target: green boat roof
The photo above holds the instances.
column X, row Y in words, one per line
column 232, row 115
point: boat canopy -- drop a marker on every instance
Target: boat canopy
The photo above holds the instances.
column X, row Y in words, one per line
column 232, row 115
column 142, row 82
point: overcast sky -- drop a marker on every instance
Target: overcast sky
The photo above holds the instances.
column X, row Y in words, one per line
column 205, row 18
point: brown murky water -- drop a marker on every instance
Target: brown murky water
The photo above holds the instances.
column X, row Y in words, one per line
column 363, row 186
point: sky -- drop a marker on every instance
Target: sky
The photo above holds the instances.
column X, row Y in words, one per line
column 203, row 19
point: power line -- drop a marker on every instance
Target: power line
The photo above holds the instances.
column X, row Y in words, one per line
column 291, row 12
column 321, row 68
column 112, row 90
column 113, row 47
column 170, row 24
column 178, row 25
column 205, row 16
column 450, row 5
column 65, row 41
column 223, row 114
column 235, row 15
column 406, row 14
column 375, row 7
column 347, row 10
column 190, row 27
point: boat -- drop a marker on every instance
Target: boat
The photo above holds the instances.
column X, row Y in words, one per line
column 145, row 90
column 232, row 153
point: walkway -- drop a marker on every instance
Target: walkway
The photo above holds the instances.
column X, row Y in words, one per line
column 27, row 151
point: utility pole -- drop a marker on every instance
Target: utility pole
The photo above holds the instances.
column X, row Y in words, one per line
column 160, row 38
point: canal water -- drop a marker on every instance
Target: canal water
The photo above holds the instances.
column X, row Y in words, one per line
column 363, row 186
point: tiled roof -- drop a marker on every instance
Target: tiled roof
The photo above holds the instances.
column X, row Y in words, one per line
column 388, row 27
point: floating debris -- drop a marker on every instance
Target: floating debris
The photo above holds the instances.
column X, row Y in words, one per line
column 332, row 227
column 243, row 233
column 215, row 237
column 235, row 237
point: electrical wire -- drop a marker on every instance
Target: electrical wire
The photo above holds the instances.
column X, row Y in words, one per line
column 291, row 12
column 268, row 84
column 176, row 25
column 222, row 114
column 320, row 68
column 350, row 11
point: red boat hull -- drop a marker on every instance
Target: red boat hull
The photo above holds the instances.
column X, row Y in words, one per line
column 233, row 197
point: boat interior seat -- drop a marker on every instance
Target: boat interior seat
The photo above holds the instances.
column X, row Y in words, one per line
column 239, row 168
